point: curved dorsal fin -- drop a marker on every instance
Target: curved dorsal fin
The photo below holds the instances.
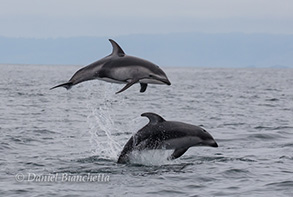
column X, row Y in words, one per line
column 116, row 49
column 154, row 118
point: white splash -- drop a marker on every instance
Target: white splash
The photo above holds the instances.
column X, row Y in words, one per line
column 101, row 124
column 151, row 157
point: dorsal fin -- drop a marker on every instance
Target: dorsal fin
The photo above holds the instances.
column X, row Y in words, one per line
column 154, row 118
column 116, row 49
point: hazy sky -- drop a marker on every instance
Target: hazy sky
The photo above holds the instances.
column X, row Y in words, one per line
column 67, row 18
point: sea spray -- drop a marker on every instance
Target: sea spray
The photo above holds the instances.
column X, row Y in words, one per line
column 100, row 120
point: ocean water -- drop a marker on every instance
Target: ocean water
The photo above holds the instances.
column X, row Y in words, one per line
column 66, row 143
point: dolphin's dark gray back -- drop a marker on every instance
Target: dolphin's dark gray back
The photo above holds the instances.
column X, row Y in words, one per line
column 119, row 68
column 157, row 131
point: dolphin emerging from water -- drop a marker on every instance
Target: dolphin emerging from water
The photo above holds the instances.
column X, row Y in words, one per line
column 120, row 68
column 162, row 134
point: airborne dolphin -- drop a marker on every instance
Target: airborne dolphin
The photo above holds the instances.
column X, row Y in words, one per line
column 162, row 134
column 120, row 68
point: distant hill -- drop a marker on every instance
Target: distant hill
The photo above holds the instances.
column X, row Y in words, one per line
column 182, row 49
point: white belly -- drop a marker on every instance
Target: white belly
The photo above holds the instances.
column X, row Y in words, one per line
column 111, row 80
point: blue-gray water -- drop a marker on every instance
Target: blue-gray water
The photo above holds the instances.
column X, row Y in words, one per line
column 80, row 132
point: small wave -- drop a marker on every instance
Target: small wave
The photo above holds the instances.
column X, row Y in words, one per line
column 224, row 159
column 22, row 191
column 234, row 124
column 290, row 144
column 4, row 146
column 272, row 89
column 286, row 157
column 23, row 140
column 235, row 172
column 170, row 191
column 281, row 185
column 265, row 136
column 146, row 170
column 44, row 131
column 33, row 164
column 272, row 99
column 267, row 105
column 273, row 128
column 93, row 159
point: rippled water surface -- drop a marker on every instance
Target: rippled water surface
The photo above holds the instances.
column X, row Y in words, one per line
column 80, row 132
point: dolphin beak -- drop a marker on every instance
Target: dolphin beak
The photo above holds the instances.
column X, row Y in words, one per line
column 166, row 81
column 163, row 79
column 211, row 143
column 214, row 144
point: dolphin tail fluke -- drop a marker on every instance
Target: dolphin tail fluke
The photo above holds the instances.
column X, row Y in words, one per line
column 128, row 85
column 66, row 85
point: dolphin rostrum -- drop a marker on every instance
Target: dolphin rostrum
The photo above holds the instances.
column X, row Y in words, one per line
column 162, row 134
column 120, row 68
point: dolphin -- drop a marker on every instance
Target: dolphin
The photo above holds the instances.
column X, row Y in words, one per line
column 120, row 68
column 162, row 134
